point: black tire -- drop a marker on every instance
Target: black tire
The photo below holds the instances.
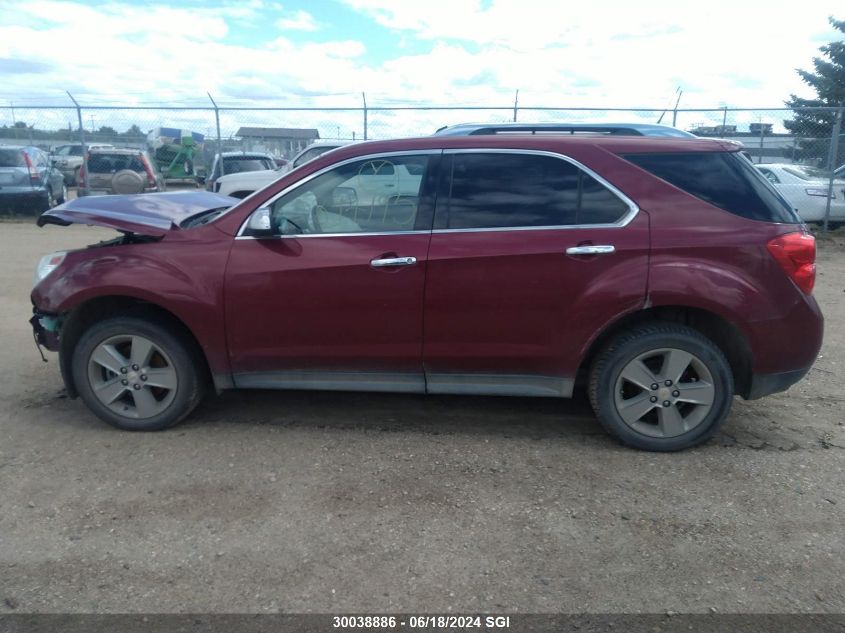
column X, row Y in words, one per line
column 47, row 201
column 606, row 376
column 181, row 357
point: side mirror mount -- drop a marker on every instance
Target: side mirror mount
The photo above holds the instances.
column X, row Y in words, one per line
column 259, row 223
column 344, row 197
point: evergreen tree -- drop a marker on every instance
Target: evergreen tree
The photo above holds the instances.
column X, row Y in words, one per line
column 827, row 79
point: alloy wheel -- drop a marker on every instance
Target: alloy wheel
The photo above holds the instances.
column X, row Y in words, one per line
column 664, row 392
column 132, row 376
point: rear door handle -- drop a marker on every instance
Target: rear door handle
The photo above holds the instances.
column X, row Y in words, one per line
column 601, row 249
column 393, row 261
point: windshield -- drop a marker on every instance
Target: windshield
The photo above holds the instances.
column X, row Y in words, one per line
column 202, row 218
column 311, row 154
column 69, row 150
column 807, row 173
column 238, row 164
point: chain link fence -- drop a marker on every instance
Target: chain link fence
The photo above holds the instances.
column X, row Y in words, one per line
column 806, row 142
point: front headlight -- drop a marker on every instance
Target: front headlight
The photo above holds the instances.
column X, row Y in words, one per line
column 46, row 265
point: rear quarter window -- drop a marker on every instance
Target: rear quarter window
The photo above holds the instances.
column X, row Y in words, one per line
column 724, row 179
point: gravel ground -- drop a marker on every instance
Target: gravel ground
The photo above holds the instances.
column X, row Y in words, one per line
column 333, row 502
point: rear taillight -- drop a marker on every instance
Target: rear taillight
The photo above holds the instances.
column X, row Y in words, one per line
column 34, row 176
column 151, row 179
column 796, row 253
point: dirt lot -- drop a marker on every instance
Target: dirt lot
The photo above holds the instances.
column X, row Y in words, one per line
column 296, row 502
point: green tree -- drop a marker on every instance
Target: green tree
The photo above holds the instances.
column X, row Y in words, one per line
column 106, row 132
column 133, row 132
column 815, row 127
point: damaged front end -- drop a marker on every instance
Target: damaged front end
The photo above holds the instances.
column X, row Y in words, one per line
column 46, row 328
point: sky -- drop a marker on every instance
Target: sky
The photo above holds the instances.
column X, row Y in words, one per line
column 325, row 53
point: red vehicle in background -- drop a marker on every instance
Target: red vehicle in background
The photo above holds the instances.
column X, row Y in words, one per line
column 665, row 275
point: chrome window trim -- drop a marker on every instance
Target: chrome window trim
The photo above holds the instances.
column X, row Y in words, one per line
column 309, row 177
column 299, row 236
column 626, row 219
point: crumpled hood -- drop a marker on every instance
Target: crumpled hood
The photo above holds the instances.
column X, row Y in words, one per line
column 152, row 214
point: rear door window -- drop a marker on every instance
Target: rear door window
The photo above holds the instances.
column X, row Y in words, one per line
column 724, row 179
column 511, row 190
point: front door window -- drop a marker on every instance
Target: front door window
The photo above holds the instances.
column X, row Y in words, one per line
column 375, row 195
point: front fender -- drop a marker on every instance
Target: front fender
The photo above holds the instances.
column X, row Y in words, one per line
column 182, row 278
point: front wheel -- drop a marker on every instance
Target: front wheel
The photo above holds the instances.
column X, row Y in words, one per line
column 136, row 374
column 661, row 387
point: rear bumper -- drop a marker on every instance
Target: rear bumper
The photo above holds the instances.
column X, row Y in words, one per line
column 763, row 385
column 30, row 201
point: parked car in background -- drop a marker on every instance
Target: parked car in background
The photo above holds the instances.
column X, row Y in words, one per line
column 237, row 163
column 68, row 159
column 241, row 185
column 28, row 182
column 664, row 275
column 313, row 151
column 119, row 171
column 806, row 189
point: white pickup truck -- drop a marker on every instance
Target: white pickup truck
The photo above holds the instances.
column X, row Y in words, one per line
column 245, row 183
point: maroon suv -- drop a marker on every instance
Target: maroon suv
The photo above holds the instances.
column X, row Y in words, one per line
column 666, row 275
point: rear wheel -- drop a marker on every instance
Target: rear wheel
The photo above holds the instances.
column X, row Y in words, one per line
column 48, row 201
column 661, row 387
column 136, row 374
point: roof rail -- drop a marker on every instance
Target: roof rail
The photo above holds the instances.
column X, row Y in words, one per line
column 620, row 129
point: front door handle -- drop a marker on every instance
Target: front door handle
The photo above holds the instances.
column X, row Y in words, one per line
column 393, row 261
column 601, row 249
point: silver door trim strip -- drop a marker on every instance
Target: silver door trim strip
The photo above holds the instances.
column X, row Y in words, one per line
column 499, row 385
column 389, row 382
column 397, row 382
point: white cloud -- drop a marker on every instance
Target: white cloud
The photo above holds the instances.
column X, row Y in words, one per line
column 612, row 54
column 299, row 21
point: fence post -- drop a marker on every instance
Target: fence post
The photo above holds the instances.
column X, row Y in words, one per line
column 364, row 97
column 832, row 157
column 219, row 142
column 81, row 137
column 515, row 105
